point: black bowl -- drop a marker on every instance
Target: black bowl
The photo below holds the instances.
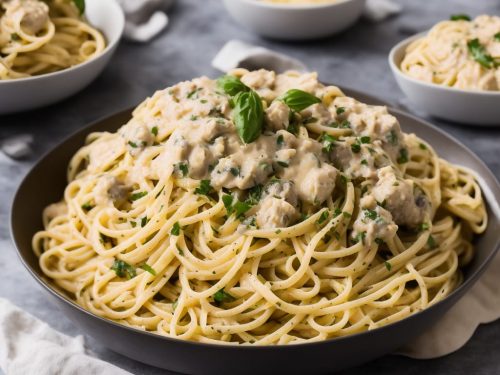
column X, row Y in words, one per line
column 45, row 183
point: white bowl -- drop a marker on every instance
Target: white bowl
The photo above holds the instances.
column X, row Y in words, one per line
column 32, row 92
column 295, row 22
column 472, row 107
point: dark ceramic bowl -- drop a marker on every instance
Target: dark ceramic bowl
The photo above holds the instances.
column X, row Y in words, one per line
column 45, row 183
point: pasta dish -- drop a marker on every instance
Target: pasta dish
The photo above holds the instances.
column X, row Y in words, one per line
column 460, row 53
column 259, row 208
column 38, row 37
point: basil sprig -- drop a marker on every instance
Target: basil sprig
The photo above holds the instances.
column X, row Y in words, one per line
column 231, row 85
column 80, row 4
column 248, row 115
column 460, row 17
column 298, row 100
column 479, row 53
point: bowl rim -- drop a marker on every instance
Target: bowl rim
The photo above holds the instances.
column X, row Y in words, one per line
column 43, row 282
column 295, row 7
column 118, row 14
column 396, row 70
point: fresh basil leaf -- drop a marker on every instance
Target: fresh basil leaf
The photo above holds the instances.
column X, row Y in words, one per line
column 298, row 100
column 459, row 17
column 248, row 115
column 479, row 53
column 231, row 85
column 80, row 4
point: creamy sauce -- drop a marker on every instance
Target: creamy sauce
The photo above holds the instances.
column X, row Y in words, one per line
column 296, row 173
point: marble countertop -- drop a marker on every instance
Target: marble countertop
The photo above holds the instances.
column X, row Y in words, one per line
column 198, row 29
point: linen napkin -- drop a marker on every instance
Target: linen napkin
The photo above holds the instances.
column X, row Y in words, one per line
column 480, row 305
column 30, row 346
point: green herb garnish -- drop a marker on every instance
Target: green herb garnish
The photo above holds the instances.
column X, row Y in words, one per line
column 459, row 17
column 280, row 140
column 282, row 164
column 132, row 144
column 154, row 130
column 392, row 138
column 231, row 85
column 370, row 214
column 149, row 269
column 298, row 100
column 138, row 195
column 497, row 37
column 328, row 142
column 123, row 269
column 80, row 5
column 340, row 110
column 322, row 218
column 403, row 156
column 87, row 206
column 183, row 167
column 223, row 296
column 176, row 229
column 479, row 53
column 388, row 265
column 248, row 115
column 365, row 139
column 234, row 171
column 431, row 242
column 144, row 221
column 204, row 188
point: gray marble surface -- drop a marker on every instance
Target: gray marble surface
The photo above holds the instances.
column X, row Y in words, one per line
column 198, row 29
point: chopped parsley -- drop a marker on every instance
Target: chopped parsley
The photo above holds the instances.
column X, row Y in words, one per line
column 423, row 226
column 235, row 171
column 356, row 147
column 154, row 130
column 194, row 94
column 223, row 296
column 431, row 242
column 176, row 229
column 123, row 269
column 87, row 206
column 328, row 142
column 149, row 269
column 183, row 168
column 371, row 214
column 359, row 237
column 392, row 137
column 132, row 144
column 144, row 221
column 15, row 36
column 497, row 37
column 323, row 217
column 340, row 110
column 283, row 164
column 204, row 188
column 422, row 146
column 365, row 139
column 364, row 162
column 388, row 265
column 138, row 195
column 403, row 156
column 280, row 140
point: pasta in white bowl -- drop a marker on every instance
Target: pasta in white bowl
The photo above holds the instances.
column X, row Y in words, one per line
column 452, row 71
column 259, row 209
column 48, row 51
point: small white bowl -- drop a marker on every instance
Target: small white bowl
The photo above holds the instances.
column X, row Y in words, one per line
column 295, row 21
column 32, row 92
column 472, row 107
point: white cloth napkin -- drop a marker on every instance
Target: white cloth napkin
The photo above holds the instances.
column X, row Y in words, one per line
column 144, row 18
column 28, row 347
column 480, row 305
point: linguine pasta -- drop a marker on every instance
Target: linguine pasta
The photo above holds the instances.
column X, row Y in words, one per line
column 262, row 209
column 39, row 37
column 460, row 53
